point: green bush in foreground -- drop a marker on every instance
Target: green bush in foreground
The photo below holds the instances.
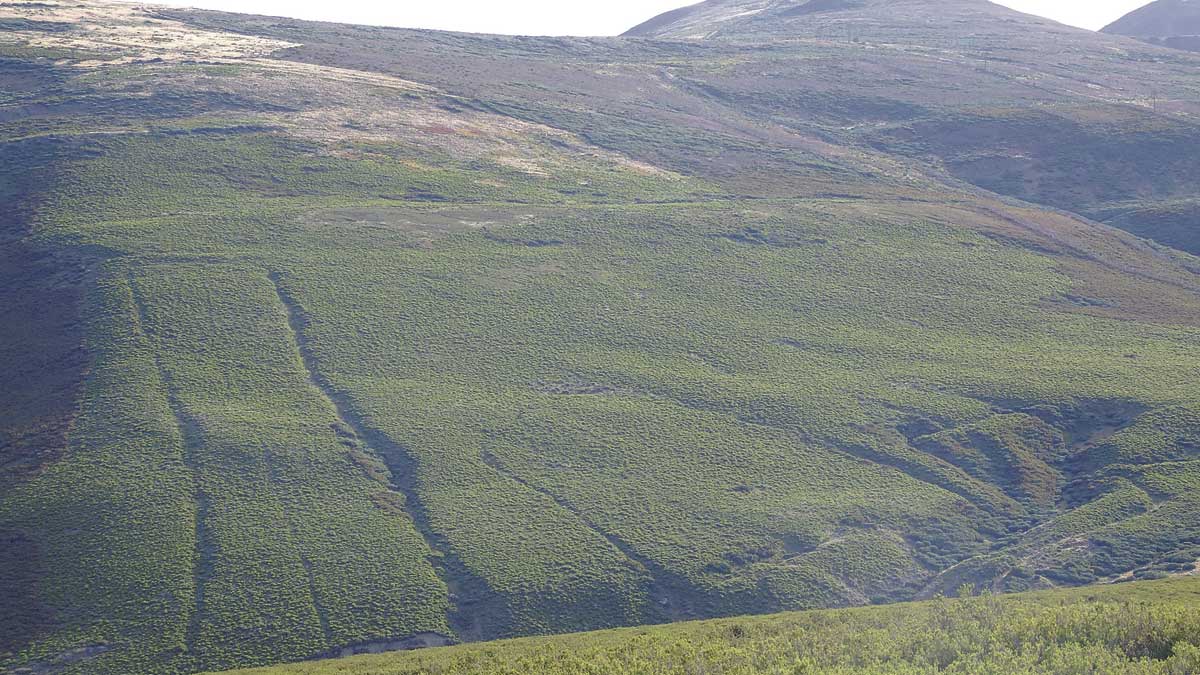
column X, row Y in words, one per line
column 1134, row 628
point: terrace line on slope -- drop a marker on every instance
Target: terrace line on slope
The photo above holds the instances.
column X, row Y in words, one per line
column 193, row 440
column 399, row 464
column 306, row 562
column 665, row 591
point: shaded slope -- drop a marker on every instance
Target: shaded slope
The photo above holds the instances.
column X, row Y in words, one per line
column 42, row 345
column 1171, row 23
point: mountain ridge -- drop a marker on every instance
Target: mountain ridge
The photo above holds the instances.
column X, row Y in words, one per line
column 1171, row 23
column 745, row 19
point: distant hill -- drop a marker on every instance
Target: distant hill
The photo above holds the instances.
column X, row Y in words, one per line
column 1171, row 23
column 745, row 19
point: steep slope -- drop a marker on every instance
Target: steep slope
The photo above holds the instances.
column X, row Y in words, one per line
column 1171, row 23
column 329, row 338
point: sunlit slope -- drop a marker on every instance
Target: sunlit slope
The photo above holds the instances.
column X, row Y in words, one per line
column 1147, row 628
column 342, row 357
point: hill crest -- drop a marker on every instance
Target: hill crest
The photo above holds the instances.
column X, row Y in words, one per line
column 745, row 19
column 1171, row 23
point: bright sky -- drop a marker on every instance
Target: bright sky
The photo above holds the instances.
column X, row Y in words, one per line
column 568, row 17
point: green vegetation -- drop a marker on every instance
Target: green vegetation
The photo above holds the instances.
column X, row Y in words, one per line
column 1151, row 628
column 324, row 351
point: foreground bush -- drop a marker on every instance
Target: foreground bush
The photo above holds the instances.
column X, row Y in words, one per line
column 1151, row 628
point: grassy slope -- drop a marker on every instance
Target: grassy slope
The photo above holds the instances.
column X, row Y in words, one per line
column 367, row 361
column 1141, row 628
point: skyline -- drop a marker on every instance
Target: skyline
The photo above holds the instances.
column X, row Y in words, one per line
column 553, row 17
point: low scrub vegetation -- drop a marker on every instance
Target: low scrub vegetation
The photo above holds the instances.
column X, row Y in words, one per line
column 1148, row 629
column 401, row 338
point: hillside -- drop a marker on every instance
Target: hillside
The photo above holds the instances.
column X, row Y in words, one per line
column 1171, row 23
column 324, row 338
column 1132, row 629
column 1012, row 103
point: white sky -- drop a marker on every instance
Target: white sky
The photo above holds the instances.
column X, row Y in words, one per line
column 568, row 17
